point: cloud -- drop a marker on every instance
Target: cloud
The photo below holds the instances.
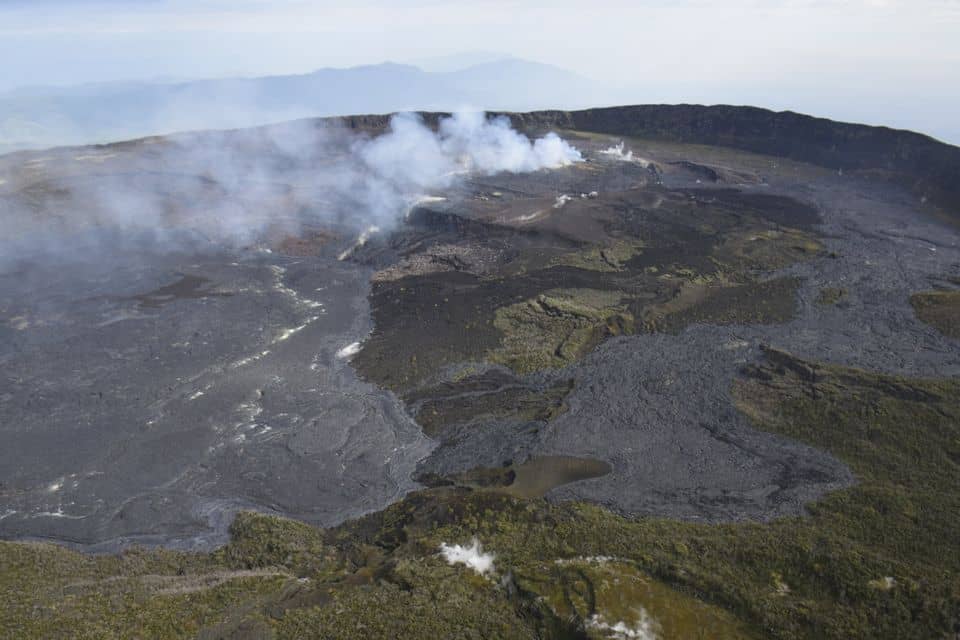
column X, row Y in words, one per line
column 844, row 59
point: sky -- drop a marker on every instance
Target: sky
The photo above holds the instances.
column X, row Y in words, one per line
column 888, row 62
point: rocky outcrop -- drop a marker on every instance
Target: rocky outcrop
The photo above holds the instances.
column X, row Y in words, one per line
column 929, row 168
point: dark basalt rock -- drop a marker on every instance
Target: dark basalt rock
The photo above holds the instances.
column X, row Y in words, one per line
column 929, row 168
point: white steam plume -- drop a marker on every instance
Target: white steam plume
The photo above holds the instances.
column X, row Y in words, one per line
column 472, row 556
column 411, row 159
column 617, row 151
column 620, row 152
column 229, row 188
column 645, row 627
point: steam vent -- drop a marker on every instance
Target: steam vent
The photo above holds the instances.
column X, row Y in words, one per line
column 635, row 372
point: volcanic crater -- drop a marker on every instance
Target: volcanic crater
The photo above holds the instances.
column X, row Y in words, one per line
column 598, row 311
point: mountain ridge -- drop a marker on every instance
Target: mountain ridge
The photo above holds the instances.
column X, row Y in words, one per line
column 94, row 113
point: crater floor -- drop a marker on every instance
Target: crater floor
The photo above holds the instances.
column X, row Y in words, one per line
column 599, row 312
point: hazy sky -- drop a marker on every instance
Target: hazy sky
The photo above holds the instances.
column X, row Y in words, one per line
column 880, row 61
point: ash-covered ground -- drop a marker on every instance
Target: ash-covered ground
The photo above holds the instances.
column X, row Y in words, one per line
column 137, row 410
column 599, row 311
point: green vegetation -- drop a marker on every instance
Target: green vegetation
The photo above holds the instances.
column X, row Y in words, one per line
column 612, row 257
column 879, row 559
column 422, row 598
column 940, row 309
column 604, row 591
column 710, row 276
column 768, row 249
column 258, row 542
column 763, row 302
column 557, row 327
column 50, row 592
column 831, row 295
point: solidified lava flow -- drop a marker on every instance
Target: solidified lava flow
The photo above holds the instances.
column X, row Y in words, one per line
column 675, row 369
column 599, row 309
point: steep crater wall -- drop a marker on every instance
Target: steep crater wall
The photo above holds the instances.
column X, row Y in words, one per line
column 927, row 167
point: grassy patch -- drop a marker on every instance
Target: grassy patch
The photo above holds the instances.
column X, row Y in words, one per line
column 599, row 592
column 51, row 592
column 610, row 258
column 557, row 327
column 880, row 559
column 766, row 249
column 830, row 296
column 940, row 309
column 766, row 302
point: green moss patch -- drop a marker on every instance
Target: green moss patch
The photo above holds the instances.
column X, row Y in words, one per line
column 51, row 592
column 879, row 559
column 557, row 327
column 603, row 595
column 830, row 296
column 609, row 258
column 940, row 309
column 765, row 302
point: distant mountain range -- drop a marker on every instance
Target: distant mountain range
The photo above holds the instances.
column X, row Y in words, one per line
column 52, row 116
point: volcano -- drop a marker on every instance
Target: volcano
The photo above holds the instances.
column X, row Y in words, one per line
column 712, row 359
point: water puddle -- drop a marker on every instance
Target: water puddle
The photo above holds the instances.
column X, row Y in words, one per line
column 533, row 478
column 537, row 476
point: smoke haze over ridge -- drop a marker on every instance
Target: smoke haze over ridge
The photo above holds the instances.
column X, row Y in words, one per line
column 229, row 188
